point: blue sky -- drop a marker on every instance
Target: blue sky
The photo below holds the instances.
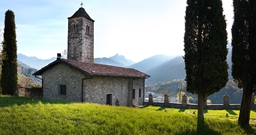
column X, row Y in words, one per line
column 136, row 29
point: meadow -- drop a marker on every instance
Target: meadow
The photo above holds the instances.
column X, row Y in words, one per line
column 27, row 116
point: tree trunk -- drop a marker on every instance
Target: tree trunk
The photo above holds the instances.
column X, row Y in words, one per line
column 244, row 115
column 200, row 108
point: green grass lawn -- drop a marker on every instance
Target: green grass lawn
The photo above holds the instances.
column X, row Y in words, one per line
column 33, row 116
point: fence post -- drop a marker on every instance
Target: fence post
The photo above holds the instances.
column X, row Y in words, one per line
column 226, row 101
column 184, row 101
column 166, row 99
column 150, row 99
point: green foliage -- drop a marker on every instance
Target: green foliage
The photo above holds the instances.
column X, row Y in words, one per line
column 205, row 47
column 243, row 43
column 208, row 101
column 243, row 53
column 179, row 95
column 39, row 117
column 26, row 81
column 0, row 81
column 9, row 65
column 192, row 99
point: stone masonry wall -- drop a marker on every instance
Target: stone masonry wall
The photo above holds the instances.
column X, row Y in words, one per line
column 138, row 84
column 97, row 88
column 62, row 75
column 81, row 42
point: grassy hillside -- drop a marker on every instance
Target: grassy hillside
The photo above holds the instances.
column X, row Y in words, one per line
column 30, row 116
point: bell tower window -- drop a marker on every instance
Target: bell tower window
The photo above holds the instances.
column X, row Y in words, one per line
column 75, row 28
column 75, row 25
column 87, row 30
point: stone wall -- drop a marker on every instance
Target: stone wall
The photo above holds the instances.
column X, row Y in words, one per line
column 30, row 92
column 95, row 89
column 186, row 105
column 138, row 85
column 81, row 42
column 62, row 74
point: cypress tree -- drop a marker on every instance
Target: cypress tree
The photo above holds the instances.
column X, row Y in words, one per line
column 205, row 49
column 9, row 65
column 243, row 53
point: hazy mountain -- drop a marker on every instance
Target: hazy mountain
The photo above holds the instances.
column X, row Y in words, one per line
column 175, row 69
column 107, row 61
column 121, row 59
column 33, row 61
column 116, row 60
column 160, row 67
column 23, row 64
column 151, row 62
column 27, row 71
column 171, row 69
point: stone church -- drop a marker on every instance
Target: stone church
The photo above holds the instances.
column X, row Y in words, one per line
column 79, row 79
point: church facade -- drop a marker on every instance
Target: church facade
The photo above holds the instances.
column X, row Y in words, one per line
column 79, row 79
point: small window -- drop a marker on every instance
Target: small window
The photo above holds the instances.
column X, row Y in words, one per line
column 139, row 92
column 133, row 93
column 63, row 89
column 75, row 27
column 87, row 30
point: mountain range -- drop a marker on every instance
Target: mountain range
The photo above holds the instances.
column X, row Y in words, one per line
column 161, row 68
column 33, row 61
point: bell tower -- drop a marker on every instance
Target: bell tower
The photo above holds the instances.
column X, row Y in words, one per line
column 81, row 37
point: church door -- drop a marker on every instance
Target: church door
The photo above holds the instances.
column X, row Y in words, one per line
column 109, row 99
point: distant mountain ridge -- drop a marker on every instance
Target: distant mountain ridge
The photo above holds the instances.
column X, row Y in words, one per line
column 151, row 62
column 107, row 61
column 27, row 71
column 175, row 69
column 116, row 60
column 171, row 69
column 161, row 68
column 121, row 59
column 33, row 61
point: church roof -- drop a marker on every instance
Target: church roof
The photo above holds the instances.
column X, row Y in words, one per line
column 81, row 13
column 93, row 69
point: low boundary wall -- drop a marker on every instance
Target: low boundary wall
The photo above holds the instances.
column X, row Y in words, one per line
column 184, row 104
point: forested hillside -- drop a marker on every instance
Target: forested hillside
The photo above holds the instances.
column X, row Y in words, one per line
column 25, row 75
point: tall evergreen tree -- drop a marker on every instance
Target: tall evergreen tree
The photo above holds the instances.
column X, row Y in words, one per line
column 205, row 49
column 1, row 43
column 9, row 65
column 243, row 53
